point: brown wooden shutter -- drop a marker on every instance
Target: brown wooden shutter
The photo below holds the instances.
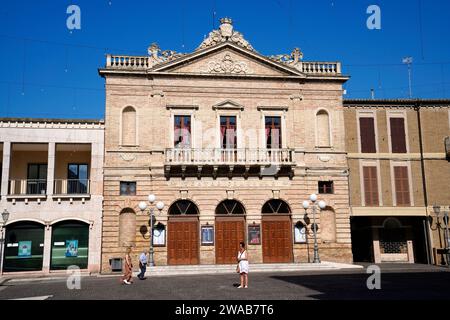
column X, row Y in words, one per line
column 401, row 186
column 398, row 139
column 370, row 186
column 367, row 135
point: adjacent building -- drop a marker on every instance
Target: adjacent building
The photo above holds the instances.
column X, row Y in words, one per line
column 398, row 155
column 232, row 142
column 51, row 186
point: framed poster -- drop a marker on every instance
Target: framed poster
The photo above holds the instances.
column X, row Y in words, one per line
column 159, row 235
column 254, row 234
column 299, row 233
column 24, row 249
column 71, row 248
column 207, row 235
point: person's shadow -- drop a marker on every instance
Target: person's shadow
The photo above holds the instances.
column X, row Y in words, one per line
column 236, row 285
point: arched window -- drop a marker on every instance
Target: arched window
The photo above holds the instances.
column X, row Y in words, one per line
column 230, row 207
column 129, row 126
column 323, row 129
column 276, row 206
column 183, row 207
column 127, row 227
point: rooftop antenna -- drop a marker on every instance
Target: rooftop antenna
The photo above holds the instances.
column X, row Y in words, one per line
column 408, row 61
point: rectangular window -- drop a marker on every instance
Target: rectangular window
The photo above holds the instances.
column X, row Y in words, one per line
column 228, row 132
column 77, row 178
column 370, row 186
column 273, row 132
column 367, row 135
column 326, row 187
column 398, row 139
column 37, row 179
column 127, row 188
column 182, row 132
column 401, row 186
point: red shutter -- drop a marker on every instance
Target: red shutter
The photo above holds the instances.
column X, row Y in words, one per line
column 370, row 186
column 401, row 186
column 367, row 135
column 398, row 139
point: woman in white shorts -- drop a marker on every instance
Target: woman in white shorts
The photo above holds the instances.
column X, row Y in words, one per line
column 243, row 265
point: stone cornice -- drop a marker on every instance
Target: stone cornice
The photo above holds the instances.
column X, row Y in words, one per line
column 51, row 123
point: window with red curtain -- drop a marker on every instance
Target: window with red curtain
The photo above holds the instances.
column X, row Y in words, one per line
column 398, row 139
column 228, row 136
column 182, row 132
column 367, row 135
column 273, row 132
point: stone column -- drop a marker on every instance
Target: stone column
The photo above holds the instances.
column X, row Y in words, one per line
column 47, row 248
column 376, row 245
column 5, row 167
column 50, row 168
column 94, row 247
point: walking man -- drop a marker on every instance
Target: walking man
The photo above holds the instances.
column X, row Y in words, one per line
column 142, row 265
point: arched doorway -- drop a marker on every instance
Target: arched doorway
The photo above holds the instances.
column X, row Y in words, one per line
column 70, row 245
column 276, row 232
column 230, row 230
column 24, row 247
column 127, row 228
column 183, row 233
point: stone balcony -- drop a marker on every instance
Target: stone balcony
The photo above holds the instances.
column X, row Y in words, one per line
column 230, row 162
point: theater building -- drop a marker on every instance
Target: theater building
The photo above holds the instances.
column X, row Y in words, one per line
column 398, row 155
column 51, row 186
column 232, row 141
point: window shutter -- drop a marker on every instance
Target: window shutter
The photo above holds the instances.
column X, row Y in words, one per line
column 370, row 186
column 398, row 140
column 401, row 186
column 367, row 135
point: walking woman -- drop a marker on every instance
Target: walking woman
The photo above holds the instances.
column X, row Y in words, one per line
column 243, row 265
column 128, row 268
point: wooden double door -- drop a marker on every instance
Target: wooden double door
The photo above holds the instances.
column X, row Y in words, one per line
column 229, row 231
column 183, row 241
column 277, row 239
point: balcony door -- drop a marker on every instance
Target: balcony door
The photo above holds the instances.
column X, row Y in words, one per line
column 77, row 178
column 37, row 178
column 273, row 132
column 228, row 138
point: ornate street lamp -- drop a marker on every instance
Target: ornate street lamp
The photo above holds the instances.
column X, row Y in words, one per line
column 5, row 217
column 322, row 205
column 143, row 206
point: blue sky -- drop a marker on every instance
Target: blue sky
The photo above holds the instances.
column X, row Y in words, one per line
column 48, row 71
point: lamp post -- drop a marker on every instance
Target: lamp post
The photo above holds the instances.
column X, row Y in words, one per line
column 437, row 211
column 143, row 205
column 322, row 205
column 5, row 217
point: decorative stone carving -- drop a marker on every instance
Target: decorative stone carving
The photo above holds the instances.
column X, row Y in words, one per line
column 127, row 157
column 292, row 60
column 227, row 65
column 225, row 33
column 157, row 56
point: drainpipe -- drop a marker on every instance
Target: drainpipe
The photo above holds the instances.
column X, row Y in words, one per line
column 428, row 246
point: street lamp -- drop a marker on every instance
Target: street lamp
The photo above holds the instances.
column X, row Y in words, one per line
column 322, row 205
column 143, row 205
column 437, row 211
column 5, row 217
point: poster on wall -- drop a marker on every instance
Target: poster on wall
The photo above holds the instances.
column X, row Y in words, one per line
column 300, row 234
column 71, row 248
column 254, row 234
column 159, row 236
column 207, row 235
column 24, row 249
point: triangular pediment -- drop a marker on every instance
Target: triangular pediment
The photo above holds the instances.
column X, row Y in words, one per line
column 227, row 59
